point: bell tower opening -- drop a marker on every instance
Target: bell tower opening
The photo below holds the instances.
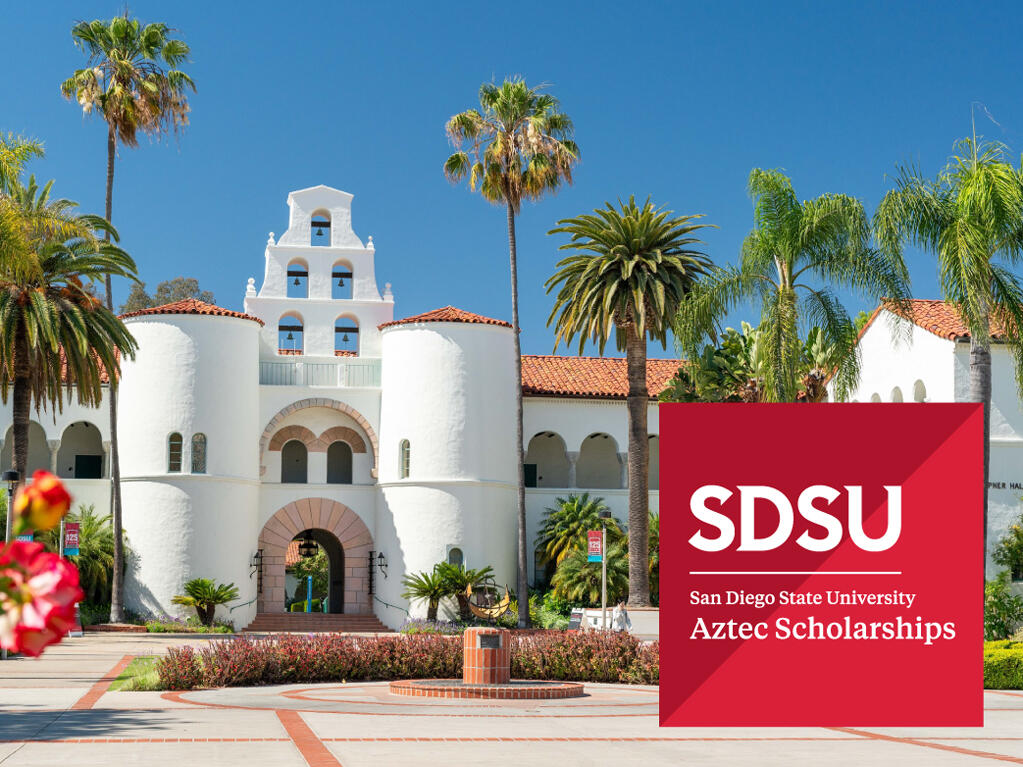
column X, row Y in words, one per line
column 319, row 226
column 346, row 337
column 298, row 279
column 290, row 335
column 341, row 277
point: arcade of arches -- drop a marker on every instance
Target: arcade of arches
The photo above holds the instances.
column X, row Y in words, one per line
column 340, row 532
column 596, row 464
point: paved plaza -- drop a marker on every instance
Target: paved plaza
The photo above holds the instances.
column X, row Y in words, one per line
column 57, row 711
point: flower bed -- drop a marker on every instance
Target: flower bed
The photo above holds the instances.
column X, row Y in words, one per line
column 339, row 658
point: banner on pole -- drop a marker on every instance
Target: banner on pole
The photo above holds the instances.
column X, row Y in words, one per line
column 71, row 539
column 595, row 548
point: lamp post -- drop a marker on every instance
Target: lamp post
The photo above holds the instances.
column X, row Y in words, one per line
column 11, row 477
column 605, row 515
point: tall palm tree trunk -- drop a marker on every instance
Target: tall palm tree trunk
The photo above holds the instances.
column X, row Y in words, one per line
column 980, row 391
column 21, row 404
column 521, row 586
column 638, row 462
column 117, row 581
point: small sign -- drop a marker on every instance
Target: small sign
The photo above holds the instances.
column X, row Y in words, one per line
column 595, row 548
column 27, row 537
column 71, row 539
column 576, row 621
column 490, row 641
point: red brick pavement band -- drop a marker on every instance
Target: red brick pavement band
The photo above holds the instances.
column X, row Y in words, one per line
column 91, row 698
column 311, row 747
column 486, row 656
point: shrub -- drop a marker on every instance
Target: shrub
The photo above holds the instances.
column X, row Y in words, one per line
column 286, row 659
column 420, row 626
column 191, row 625
column 1003, row 610
column 1003, row 665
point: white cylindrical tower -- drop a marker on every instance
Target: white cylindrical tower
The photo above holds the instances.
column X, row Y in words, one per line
column 189, row 442
column 447, row 448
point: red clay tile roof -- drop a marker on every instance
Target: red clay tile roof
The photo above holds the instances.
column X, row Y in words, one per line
column 448, row 314
column 549, row 375
column 937, row 317
column 291, row 555
column 192, row 306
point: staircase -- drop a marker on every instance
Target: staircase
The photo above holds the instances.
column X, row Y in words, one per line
column 316, row 622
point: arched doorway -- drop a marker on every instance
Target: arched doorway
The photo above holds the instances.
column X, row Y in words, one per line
column 343, row 536
column 325, row 567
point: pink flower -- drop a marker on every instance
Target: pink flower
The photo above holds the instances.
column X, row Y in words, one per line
column 38, row 593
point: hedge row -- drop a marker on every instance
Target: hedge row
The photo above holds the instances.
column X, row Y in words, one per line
column 1003, row 665
column 336, row 658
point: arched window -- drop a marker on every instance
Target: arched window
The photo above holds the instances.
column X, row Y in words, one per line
column 546, row 461
column 403, row 459
column 341, row 277
column 199, row 453
column 875, row 397
column 919, row 392
column 896, row 394
column 174, row 444
column 654, row 463
column 81, row 452
column 455, row 557
column 339, row 463
column 289, row 335
column 346, row 337
column 319, row 227
column 298, row 280
column 294, row 462
column 598, row 465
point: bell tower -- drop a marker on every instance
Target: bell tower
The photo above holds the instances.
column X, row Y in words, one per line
column 319, row 296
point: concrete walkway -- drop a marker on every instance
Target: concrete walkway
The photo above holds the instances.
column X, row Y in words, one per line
column 56, row 710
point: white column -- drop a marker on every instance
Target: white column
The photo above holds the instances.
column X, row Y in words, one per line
column 105, row 472
column 623, row 459
column 54, row 445
column 573, row 458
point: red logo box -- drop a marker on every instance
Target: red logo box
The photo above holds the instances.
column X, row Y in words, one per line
column 763, row 625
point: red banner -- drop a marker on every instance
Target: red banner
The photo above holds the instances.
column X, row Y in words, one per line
column 828, row 567
column 595, row 549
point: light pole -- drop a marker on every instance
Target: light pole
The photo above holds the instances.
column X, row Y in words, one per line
column 605, row 515
column 11, row 478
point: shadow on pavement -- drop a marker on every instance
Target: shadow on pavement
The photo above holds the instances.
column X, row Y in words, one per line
column 91, row 723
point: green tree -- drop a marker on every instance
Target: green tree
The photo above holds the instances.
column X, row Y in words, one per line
column 132, row 80
column 205, row 595
column 432, row 587
column 1009, row 551
column 1003, row 610
column 517, row 146
column 629, row 270
column 15, row 151
column 457, row 578
column 793, row 244
column 578, row 580
column 317, row 566
column 53, row 334
column 655, row 558
column 167, row 292
column 565, row 525
column 95, row 561
column 971, row 219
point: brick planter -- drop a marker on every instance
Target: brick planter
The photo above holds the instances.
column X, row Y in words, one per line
column 486, row 656
column 453, row 688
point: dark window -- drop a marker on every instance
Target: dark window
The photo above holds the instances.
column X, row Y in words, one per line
column 198, row 453
column 530, row 471
column 339, row 463
column 294, row 462
column 174, row 444
column 88, row 467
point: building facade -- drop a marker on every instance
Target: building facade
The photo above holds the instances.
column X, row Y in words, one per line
column 315, row 415
column 925, row 357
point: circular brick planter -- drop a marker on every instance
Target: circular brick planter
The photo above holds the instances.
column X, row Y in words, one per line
column 456, row 688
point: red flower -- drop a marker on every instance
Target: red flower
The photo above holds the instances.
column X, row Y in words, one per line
column 38, row 592
column 43, row 503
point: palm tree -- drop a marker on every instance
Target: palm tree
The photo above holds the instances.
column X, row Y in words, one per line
column 971, row 218
column 517, row 146
column 655, row 557
column 95, row 560
column 54, row 334
column 793, row 243
column 630, row 269
column 126, row 84
column 578, row 580
column 456, row 578
column 429, row 586
column 564, row 527
column 15, row 151
column 205, row 595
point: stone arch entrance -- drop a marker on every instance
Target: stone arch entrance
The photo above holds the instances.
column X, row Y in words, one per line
column 342, row 529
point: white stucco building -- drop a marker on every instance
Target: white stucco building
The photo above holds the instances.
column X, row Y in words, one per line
column 315, row 414
column 931, row 363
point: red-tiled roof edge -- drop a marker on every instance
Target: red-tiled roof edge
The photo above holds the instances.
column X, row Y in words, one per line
column 191, row 306
column 593, row 378
column 447, row 314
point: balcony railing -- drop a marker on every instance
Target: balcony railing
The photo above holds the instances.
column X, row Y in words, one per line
column 343, row 373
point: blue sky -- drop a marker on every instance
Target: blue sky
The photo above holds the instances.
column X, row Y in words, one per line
column 673, row 100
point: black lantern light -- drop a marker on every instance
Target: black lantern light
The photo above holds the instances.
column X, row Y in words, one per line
column 307, row 547
column 382, row 563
